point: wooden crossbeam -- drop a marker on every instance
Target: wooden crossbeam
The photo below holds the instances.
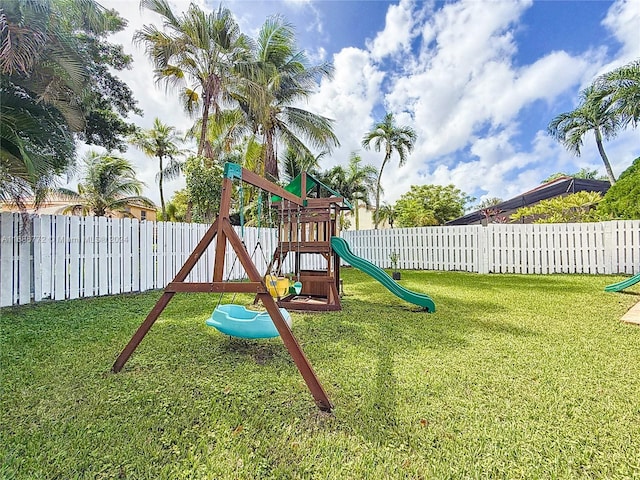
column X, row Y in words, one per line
column 216, row 287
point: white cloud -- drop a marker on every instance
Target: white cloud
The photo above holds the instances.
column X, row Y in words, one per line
column 349, row 99
column 623, row 20
column 396, row 36
column 454, row 80
column 463, row 95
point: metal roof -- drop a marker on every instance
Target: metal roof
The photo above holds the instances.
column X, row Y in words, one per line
column 554, row 188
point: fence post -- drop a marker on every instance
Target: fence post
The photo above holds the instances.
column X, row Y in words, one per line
column 483, row 248
column 610, row 258
column 36, row 260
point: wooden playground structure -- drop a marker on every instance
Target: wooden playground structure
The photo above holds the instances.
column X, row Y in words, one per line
column 306, row 224
column 308, row 231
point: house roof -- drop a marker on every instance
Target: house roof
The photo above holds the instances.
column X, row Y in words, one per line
column 55, row 203
column 554, row 188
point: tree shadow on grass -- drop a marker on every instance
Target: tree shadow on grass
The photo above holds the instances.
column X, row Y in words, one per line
column 376, row 417
column 361, row 323
column 382, row 331
column 262, row 352
column 505, row 282
column 453, row 311
column 629, row 293
column 467, row 315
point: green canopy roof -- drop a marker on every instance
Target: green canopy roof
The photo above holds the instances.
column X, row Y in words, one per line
column 295, row 187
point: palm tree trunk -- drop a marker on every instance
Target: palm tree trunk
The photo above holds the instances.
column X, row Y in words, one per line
column 205, row 123
column 375, row 214
column 378, row 188
column 164, row 210
column 270, row 161
column 357, row 213
column 605, row 159
column 189, row 213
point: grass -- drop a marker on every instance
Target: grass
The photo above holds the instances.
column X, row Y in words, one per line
column 513, row 377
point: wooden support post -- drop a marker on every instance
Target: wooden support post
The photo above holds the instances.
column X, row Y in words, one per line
column 304, row 367
column 221, row 245
column 165, row 298
column 142, row 331
column 290, row 342
column 303, row 186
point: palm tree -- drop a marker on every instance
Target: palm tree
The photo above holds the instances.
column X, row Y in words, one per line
column 355, row 183
column 108, row 185
column 43, row 82
column 42, row 57
column 205, row 49
column 385, row 212
column 225, row 132
column 386, row 134
column 161, row 141
column 35, row 146
column 281, row 77
column 593, row 114
column 294, row 163
column 623, row 88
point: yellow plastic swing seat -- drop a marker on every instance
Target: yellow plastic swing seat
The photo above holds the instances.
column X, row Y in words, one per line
column 278, row 286
column 237, row 321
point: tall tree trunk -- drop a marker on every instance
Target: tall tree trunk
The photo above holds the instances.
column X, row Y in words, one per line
column 270, row 160
column 376, row 220
column 160, row 178
column 375, row 213
column 189, row 212
column 357, row 213
column 605, row 159
column 205, row 124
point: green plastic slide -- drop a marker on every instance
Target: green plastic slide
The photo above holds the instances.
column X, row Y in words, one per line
column 342, row 249
column 617, row 287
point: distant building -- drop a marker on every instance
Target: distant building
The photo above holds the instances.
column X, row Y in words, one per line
column 55, row 205
column 365, row 215
column 501, row 212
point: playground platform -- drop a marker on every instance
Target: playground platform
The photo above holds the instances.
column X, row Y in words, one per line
column 633, row 315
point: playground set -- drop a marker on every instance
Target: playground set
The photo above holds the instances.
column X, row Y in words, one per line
column 306, row 226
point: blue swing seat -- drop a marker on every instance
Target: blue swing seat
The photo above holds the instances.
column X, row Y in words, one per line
column 237, row 321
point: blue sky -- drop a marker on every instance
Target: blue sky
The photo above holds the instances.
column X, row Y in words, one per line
column 478, row 80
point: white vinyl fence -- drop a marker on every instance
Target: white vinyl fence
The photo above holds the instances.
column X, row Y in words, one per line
column 61, row 257
column 605, row 247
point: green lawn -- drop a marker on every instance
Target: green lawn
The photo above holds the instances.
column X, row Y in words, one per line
column 514, row 377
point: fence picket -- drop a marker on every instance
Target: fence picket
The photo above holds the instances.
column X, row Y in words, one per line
column 39, row 246
column 134, row 248
column 90, row 256
column 24, row 268
column 59, row 253
column 125, row 247
column 74, row 258
column 147, row 246
column 7, row 241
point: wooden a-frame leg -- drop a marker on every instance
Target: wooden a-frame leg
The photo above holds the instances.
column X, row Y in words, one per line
column 302, row 363
column 142, row 331
column 165, row 298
